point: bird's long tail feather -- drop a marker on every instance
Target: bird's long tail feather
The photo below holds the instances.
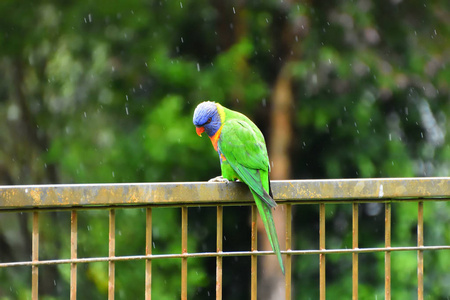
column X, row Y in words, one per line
column 266, row 215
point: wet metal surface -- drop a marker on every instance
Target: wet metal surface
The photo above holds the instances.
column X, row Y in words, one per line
column 204, row 193
column 73, row 253
column 35, row 256
column 355, row 229
column 288, row 260
column 254, row 261
column 148, row 252
column 219, row 263
column 112, row 196
column 420, row 252
column 387, row 254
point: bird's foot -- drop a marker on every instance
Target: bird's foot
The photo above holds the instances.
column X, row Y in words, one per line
column 219, row 179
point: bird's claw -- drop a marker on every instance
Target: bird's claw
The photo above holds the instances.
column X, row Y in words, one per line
column 219, row 179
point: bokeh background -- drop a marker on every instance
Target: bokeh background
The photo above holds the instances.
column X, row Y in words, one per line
column 104, row 91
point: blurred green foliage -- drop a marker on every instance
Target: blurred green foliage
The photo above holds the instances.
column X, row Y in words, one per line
column 104, row 92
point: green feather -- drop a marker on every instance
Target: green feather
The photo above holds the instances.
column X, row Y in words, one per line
column 243, row 146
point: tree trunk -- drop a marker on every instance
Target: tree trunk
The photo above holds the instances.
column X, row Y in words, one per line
column 271, row 284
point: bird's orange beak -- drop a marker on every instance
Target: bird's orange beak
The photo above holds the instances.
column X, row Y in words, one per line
column 200, row 130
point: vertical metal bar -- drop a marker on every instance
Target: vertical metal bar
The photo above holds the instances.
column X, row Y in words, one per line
column 35, row 256
column 288, row 261
column 254, row 258
column 148, row 251
column 219, row 250
column 387, row 254
column 112, row 253
column 322, row 255
column 73, row 253
column 184, row 230
column 420, row 252
column 355, row 255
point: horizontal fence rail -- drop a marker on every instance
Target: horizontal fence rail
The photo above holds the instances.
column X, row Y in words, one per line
column 205, row 193
column 36, row 198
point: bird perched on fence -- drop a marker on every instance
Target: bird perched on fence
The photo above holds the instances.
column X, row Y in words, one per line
column 243, row 156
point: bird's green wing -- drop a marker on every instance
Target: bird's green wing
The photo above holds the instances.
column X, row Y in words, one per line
column 247, row 155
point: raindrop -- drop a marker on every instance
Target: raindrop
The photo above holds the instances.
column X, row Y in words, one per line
column 345, row 108
column 154, row 246
column 85, row 115
column 120, row 232
column 182, row 40
column 224, row 237
column 113, row 69
column 90, row 19
column 198, row 67
column 267, row 21
column 373, row 209
column 126, row 97
column 85, row 21
column 234, row 11
column 296, row 38
column 26, row 191
column 54, row 282
column 390, row 137
column 89, row 227
column 181, row 4
column 113, row 175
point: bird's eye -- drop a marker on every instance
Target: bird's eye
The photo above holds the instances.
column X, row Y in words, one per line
column 209, row 121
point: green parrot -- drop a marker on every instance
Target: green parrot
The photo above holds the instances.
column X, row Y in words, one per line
column 243, row 156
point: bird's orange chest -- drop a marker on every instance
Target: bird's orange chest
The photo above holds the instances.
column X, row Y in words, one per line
column 215, row 138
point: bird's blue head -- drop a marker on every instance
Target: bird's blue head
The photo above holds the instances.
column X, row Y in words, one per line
column 207, row 118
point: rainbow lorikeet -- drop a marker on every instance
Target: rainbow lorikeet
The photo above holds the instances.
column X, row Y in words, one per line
column 243, row 156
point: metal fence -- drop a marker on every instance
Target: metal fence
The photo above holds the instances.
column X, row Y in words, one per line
column 40, row 198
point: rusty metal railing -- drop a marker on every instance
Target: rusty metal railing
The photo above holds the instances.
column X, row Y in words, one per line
column 113, row 196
